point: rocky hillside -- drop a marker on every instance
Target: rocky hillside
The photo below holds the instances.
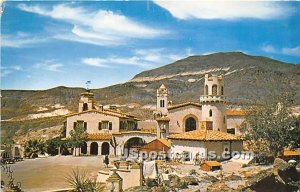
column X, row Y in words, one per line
column 247, row 78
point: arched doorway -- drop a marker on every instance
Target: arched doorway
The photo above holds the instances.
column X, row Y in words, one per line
column 94, row 148
column 134, row 143
column 105, row 148
column 190, row 124
column 84, row 148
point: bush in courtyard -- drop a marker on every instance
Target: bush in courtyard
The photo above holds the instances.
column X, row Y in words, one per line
column 54, row 144
column 81, row 183
column 33, row 148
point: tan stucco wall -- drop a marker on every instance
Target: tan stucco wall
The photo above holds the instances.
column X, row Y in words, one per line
column 92, row 120
column 179, row 115
column 235, row 122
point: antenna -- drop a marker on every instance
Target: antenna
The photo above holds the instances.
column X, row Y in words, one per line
column 88, row 85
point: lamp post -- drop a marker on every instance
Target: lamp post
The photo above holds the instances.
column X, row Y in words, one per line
column 115, row 182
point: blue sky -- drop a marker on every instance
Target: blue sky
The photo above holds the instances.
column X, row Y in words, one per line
column 48, row 44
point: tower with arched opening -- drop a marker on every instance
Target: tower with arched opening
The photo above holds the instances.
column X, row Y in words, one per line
column 213, row 103
column 86, row 101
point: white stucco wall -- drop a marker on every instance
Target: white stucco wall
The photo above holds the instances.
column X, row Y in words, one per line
column 218, row 114
column 179, row 115
column 194, row 147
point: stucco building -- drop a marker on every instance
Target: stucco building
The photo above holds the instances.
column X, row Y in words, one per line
column 195, row 127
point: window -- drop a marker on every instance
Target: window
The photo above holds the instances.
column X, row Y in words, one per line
column 110, row 125
column 74, row 125
column 105, row 125
column 85, row 126
column 224, row 119
column 214, row 90
column 162, row 103
column 190, row 124
column 85, row 107
column 222, row 90
column 210, row 113
column 99, row 126
column 206, row 90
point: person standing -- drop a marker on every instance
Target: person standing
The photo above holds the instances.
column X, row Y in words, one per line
column 106, row 161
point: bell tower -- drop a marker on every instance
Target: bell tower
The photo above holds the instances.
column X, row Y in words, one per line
column 162, row 101
column 213, row 104
column 86, row 101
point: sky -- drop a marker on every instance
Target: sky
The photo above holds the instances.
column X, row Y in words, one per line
column 67, row 43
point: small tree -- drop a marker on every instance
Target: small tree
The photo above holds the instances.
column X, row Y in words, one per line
column 78, row 137
column 270, row 126
column 114, row 144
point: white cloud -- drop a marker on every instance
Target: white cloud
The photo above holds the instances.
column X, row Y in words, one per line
column 20, row 40
column 113, row 60
column 100, row 27
column 291, row 51
column 268, row 49
column 144, row 58
column 295, row 51
column 224, row 9
column 5, row 72
column 49, row 65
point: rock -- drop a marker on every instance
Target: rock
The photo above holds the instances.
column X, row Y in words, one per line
column 275, row 179
column 190, row 180
column 219, row 186
column 284, row 171
column 233, row 178
column 208, row 178
column 174, row 180
column 138, row 189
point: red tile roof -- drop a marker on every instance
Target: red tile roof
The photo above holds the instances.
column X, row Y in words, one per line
column 183, row 105
column 235, row 113
column 99, row 136
column 205, row 135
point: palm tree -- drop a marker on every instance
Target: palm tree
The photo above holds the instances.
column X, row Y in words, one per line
column 34, row 147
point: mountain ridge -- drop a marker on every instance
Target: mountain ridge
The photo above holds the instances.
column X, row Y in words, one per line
column 247, row 78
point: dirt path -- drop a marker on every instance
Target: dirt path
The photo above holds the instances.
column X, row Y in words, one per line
column 43, row 174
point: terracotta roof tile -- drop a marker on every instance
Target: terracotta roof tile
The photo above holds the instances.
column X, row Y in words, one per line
column 288, row 152
column 212, row 163
column 99, row 136
column 183, row 105
column 235, row 113
column 162, row 119
column 205, row 135
column 101, row 112
column 166, row 142
column 132, row 132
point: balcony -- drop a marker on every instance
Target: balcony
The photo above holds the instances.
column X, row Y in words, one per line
column 212, row 98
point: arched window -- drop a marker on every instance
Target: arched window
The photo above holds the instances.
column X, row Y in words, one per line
column 206, row 90
column 210, row 113
column 190, row 124
column 222, row 90
column 85, row 107
column 214, row 90
column 162, row 103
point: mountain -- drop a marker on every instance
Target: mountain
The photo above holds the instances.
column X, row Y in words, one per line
column 247, row 78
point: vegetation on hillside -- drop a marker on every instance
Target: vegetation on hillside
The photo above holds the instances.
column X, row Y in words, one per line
column 270, row 127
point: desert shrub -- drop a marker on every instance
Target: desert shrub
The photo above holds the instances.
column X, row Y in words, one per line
column 81, row 183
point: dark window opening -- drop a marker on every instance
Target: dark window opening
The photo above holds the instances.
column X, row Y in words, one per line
column 190, row 124
column 85, row 107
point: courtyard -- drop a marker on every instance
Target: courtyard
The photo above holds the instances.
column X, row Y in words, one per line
column 50, row 173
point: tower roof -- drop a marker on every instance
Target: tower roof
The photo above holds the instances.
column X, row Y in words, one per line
column 162, row 86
